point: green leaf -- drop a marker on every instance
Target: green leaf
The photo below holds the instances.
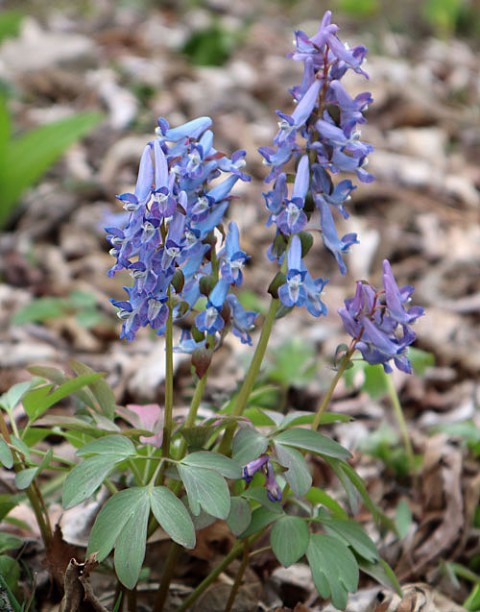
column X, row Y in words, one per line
column 352, row 535
column 312, row 441
column 248, row 444
column 11, row 398
column 382, row 573
column 240, row 515
column 39, row 400
column 24, row 478
column 101, row 390
column 334, row 568
column 298, row 417
column 420, row 360
column 40, row 310
column 261, row 517
column 9, row 542
column 86, row 477
column 205, row 489
column 403, row 518
column 297, row 475
column 113, row 446
column 172, row 516
column 130, row 545
column 294, row 364
column 317, row 497
column 113, row 517
column 289, row 539
column 213, row 461
column 10, row 572
column 28, row 157
column 6, row 457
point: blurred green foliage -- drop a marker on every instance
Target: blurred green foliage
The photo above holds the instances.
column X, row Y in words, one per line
column 213, row 45
column 10, row 23
column 24, row 159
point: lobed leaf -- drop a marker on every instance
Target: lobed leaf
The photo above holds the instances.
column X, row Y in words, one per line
column 352, row 535
column 6, row 457
column 130, row 545
column 240, row 515
column 172, row 516
column 113, row 517
column 297, row 475
column 214, row 461
column 205, row 489
column 248, row 444
column 86, row 477
column 113, row 446
column 289, row 539
column 334, row 568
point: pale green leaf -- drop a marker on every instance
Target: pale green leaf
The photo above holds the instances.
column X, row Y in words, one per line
column 334, row 568
column 352, row 535
column 101, row 390
column 312, row 441
column 205, row 489
column 248, row 444
column 172, row 516
column 85, row 478
column 24, row 478
column 289, row 539
column 223, row 465
column 113, row 517
column 261, row 517
column 130, row 545
column 6, row 457
column 240, row 515
column 118, row 446
column 297, row 475
column 11, row 398
column 382, row 573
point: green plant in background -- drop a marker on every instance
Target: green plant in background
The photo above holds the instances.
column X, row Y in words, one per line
column 213, row 45
column 24, row 159
column 80, row 304
column 10, row 22
column 443, row 15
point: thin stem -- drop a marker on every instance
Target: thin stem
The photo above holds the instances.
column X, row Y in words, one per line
column 252, row 374
column 194, row 595
column 33, row 492
column 328, row 395
column 192, row 413
column 168, row 422
column 168, row 570
column 400, row 418
column 238, row 579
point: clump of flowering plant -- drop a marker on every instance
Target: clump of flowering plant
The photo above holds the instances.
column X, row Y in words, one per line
column 246, row 466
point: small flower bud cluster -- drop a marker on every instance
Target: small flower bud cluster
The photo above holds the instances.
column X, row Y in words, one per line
column 321, row 136
column 380, row 323
column 168, row 242
column 274, row 492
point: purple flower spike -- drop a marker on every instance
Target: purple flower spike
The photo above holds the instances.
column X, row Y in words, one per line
column 379, row 323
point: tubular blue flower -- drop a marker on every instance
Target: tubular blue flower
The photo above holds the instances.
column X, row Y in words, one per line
column 333, row 243
column 274, row 492
column 242, row 320
column 254, row 466
column 379, row 322
column 211, row 320
column 292, row 293
column 232, row 257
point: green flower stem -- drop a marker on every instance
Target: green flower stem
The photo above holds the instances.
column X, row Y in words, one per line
column 168, row 420
column 194, row 595
column 238, row 578
column 170, row 563
column 400, row 418
column 251, row 376
column 328, row 395
column 192, row 413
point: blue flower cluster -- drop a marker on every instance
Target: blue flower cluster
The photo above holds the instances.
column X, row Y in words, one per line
column 322, row 138
column 168, row 243
column 380, row 323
